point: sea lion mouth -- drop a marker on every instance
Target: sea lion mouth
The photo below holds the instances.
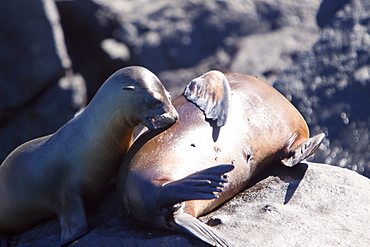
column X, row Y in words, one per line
column 158, row 122
column 154, row 124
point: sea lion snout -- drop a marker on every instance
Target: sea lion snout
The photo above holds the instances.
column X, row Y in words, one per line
column 171, row 116
column 160, row 111
column 163, row 120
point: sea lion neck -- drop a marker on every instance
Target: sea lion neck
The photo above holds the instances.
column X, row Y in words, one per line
column 105, row 124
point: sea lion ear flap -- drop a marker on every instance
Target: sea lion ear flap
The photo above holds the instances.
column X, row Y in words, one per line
column 211, row 93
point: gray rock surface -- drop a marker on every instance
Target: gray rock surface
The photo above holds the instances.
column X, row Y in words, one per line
column 38, row 92
column 330, row 85
column 308, row 205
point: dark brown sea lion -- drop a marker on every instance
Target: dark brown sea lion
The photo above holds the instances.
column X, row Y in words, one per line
column 56, row 174
column 171, row 177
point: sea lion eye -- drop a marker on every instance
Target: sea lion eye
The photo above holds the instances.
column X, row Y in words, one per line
column 155, row 103
column 128, row 88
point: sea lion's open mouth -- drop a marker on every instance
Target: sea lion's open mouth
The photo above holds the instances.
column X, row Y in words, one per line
column 155, row 124
column 158, row 122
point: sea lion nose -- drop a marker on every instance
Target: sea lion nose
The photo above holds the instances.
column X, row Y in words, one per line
column 171, row 116
column 176, row 115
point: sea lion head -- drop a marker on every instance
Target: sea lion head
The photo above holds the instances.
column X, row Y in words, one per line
column 146, row 99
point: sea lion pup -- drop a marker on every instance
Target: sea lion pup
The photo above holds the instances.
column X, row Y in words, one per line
column 56, row 174
column 170, row 178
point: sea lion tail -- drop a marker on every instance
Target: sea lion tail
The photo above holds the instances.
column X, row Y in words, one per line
column 305, row 150
column 191, row 225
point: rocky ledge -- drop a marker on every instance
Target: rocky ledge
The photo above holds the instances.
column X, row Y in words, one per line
column 310, row 204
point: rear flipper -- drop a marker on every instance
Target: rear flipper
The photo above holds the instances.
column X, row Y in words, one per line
column 191, row 225
column 305, row 150
column 201, row 185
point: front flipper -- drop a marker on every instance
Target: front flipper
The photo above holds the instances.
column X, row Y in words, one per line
column 72, row 218
column 305, row 150
column 191, row 225
column 201, row 185
column 211, row 93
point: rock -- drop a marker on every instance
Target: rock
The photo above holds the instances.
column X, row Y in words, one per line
column 330, row 86
column 186, row 37
column 328, row 10
column 308, row 205
column 28, row 57
column 38, row 91
column 170, row 35
column 86, row 25
column 293, row 32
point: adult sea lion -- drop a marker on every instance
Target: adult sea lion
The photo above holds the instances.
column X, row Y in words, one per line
column 56, row 174
column 171, row 177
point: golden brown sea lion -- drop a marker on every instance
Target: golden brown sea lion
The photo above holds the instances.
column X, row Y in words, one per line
column 56, row 174
column 171, row 177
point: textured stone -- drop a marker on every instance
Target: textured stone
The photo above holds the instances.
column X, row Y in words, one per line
column 308, row 205
column 330, row 86
column 38, row 93
column 28, row 60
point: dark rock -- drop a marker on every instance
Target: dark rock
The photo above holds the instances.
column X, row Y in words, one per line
column 86, row 26
column 327, row 11
column 28, row 59
column 330, row 86
column 292, row 32
column 38, row 93
column 171, row 35
column 180, row 41
column 307, row 205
